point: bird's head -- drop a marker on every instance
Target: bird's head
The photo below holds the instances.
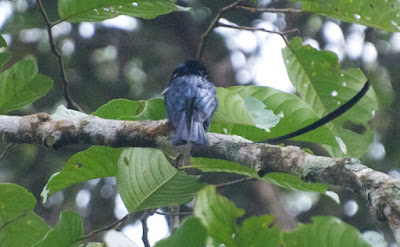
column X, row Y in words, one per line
column 190, row 67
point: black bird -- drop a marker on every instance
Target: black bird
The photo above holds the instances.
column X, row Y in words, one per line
column 190, row 100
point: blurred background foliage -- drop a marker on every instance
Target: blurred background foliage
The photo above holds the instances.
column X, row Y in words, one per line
column 133, row 58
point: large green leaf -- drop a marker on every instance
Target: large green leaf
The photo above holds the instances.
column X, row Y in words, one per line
column 147, row 180
column 21, row 84
column 89, row 10
column 66, row 233
column 324, row 232
column 243, row 115
column 192, row 233
column 296, row 114
column 19, row 225
column 324, row 86
column 218, row 215
column 259, row 232
column 123, row 109
column 284, row 180
column 383, row 15
column 96, row 162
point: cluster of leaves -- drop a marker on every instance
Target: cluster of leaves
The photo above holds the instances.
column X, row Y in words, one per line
column 146, row 179
column 213, row 224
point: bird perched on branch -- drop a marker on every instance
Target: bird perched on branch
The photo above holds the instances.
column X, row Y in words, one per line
column 190, row 100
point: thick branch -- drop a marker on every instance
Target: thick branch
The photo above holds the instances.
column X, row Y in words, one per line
column 41, row 129
column 380, row 190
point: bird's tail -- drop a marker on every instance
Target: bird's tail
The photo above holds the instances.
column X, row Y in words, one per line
column 189, row 130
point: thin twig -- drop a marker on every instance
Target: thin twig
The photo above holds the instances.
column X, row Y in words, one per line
column 241, row 180
column 6, row 150
column 269, row 10
column 174, row 217
column 145, row 237
column 114, row 225
column 70, row 103
column 213, row 24
column 173, row 213
column 282, row 34
column 54, row 23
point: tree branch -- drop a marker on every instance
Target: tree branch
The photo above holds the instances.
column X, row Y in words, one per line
column 114, row 225
column 145, row 229
column 282, row 34
column 70, row 102
column 238, row 181
column 213, row 24
column 380, row 190
column 236, row 5
column 269, row 10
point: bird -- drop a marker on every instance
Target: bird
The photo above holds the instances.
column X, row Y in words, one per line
column 190, row 101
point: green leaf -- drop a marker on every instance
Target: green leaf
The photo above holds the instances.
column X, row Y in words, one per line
column 3, row 42
column 218, row 215
column 113, row 238
column 123, row 109
column 21, row 84
column 259, row 232
column 359, row 11
column 237, row 113
column 324, row 86
column 291, row 182
column 63, row 113
column 19, row 225
column 324, row 231
column 295, row 112
column 217, row 165
column 66, row 233
column 374, row 238
column 284, row 180
column 263, row 118
column 147, row 180
column 192, row 233
column 95, row 162
column 89, row 10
